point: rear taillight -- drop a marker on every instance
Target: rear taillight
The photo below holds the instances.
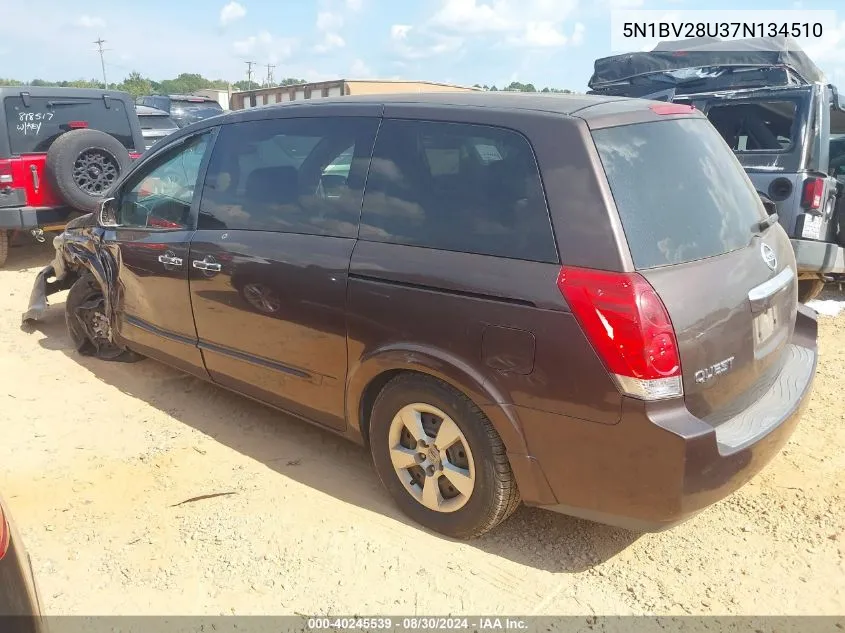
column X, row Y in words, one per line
column 5, row 535
column 811, row 197
column 78, row 125
column 629, row 328
column 6, row 172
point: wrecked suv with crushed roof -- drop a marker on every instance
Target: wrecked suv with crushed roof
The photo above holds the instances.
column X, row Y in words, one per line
column 785, row 124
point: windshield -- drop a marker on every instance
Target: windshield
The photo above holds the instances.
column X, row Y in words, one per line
column 680, row 191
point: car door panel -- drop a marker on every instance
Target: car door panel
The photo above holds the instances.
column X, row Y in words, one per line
column 271, row 321
column 154, row 313
column 150, row 250
column 269, row 262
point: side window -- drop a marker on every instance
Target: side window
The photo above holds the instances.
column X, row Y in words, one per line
column 289, row 175
column 160, row 196
column 457, row 187
column 837, row 143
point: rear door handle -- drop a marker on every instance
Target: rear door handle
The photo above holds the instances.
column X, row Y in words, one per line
column 170, row 260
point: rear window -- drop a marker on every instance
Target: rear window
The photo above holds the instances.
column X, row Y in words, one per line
column 457, row 187
column 195, row 110
column 33, row 128
column 761, row 126
column 156, row 122
column 681, row 193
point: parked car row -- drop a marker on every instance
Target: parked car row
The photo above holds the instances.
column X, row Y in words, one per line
column 61, row 149
column 575, row 302
column 183, row 109
column 155, row 124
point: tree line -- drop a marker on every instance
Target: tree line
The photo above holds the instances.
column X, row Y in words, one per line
column 138, row 85
column 516, row 86
column 186, row 83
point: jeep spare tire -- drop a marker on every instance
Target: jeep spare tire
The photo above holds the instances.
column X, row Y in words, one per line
column 83, row 165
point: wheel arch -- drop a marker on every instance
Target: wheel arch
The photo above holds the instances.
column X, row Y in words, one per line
column 371, row 373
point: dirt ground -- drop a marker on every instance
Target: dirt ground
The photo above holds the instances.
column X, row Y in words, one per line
column 100, row 461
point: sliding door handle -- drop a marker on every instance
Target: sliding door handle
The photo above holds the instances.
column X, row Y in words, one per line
column 207, row 264
column 202, row 265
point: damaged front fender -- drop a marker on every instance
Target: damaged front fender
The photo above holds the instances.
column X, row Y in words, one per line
column 78, row 249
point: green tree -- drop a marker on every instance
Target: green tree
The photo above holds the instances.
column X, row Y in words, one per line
column 136, row 85
column 81, row 83
column 185, row 83
column 243, row 84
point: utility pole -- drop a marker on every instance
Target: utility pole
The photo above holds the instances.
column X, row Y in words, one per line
column 249, row 66
column 99, row 44
column 270, row 68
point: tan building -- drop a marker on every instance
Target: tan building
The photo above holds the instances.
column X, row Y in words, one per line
column 335, row 88
column 220, row 96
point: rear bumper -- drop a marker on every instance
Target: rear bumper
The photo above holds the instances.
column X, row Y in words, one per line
column 660, row 465
column 25, row 218
column 818, row 257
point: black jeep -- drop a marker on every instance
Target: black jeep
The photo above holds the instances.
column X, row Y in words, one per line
column 784, row 122
column 61, row 149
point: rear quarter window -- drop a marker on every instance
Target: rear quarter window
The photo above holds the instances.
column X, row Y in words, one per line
column 457, row 187
column 680, row 191
column 32, row 128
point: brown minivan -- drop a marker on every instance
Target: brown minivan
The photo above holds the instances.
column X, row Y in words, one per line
column 575, row 302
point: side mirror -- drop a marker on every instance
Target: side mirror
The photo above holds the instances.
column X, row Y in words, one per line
column 107, row 213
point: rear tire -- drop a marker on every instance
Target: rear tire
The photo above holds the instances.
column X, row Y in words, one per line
column 809, row 289
column 87, row 324
column 4, row 247
column 472, row 484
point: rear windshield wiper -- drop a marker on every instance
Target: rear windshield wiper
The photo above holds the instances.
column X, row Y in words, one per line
column 763, row 225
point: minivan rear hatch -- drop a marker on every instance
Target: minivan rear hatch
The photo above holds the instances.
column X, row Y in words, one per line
column 698, row 233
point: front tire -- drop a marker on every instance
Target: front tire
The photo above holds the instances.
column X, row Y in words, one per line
column 88, row 325
column 440, row 457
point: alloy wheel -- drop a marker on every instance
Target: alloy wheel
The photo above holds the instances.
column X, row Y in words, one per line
column 95, row 171
column 431, row 457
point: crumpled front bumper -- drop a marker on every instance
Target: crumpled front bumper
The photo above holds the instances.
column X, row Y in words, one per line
column 43, row 287
column 38, row 296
